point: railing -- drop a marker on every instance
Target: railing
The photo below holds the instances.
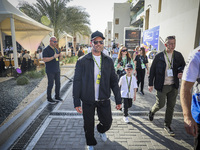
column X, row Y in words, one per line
column 134, row 17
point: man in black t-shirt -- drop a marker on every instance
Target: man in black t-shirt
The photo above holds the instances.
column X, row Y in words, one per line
column 51, row 58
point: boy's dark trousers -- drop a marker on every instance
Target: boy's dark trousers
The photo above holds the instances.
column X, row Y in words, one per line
column 104, row 115
column 127, row 103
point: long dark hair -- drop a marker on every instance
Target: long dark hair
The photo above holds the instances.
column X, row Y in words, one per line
column 143, row 51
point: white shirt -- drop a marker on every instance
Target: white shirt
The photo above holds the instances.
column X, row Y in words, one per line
column 40, row 56
column 124, row 86
column 106, row 52
column 89, row 50
column 96, row 72
column 192, row 68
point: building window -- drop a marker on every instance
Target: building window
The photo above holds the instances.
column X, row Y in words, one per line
column 116, row 35
column 147, row 20
column 109, row 40
column 159, row 6
column 117, row 21
column 109, row 32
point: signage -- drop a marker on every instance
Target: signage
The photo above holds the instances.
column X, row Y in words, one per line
column 151, row 38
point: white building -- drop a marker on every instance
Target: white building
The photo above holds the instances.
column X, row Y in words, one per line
column 175, row 17
column 108, row 34
column 137, row 13
column 121, row 19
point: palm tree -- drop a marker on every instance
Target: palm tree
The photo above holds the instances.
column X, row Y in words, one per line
column 55, row 14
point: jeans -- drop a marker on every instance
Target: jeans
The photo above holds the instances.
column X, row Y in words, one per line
column 169, row 92
column 104, row 115
column 51, row 77
column 127, row 103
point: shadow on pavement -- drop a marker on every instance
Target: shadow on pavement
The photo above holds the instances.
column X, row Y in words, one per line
column 154, row 135
column 178, row 128
column 108, row 145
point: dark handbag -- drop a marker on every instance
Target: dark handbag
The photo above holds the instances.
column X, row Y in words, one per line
column 195, row 107
column 121, row 72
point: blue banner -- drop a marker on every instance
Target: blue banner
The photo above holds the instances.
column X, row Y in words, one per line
column 151, row 38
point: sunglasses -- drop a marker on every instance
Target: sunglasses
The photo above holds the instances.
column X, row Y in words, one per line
column 124, row 50
column 96, row 42
column 55, row 41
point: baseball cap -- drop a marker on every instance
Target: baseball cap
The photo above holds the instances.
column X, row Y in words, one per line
column 128, row 66
column 97, row 34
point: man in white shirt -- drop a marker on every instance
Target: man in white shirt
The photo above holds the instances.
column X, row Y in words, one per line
column 190, row 75
column 93, row 80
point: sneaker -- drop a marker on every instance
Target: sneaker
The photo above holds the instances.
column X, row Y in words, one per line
column 51, row 101
column 151, row 115
column 90, row 147
column 103, row 136
column 126, row 119
column 141, row 92
column 169, row 131
column 58, row 99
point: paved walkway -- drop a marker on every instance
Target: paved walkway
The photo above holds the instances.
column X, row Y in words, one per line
column 63, row 129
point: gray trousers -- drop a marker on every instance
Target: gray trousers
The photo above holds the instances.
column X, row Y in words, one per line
column 169, row 92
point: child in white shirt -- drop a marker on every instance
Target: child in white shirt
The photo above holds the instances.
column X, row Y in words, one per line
column 128, row 84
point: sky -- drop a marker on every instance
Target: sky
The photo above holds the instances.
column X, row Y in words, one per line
column 100, row 11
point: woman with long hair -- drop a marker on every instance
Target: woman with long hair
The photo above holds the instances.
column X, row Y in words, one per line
column 121, row 61
column 141, row 63
column 136, row 52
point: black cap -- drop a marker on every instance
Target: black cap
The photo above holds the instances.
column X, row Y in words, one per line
column 97, row 34
column 129, row 66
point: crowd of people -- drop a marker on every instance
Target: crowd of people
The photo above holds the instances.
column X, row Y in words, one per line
column 102, row 70
column 129, row 72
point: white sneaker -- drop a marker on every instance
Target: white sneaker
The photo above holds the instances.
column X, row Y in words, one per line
column 90, row 147
column 126, row 119
column 103, row 136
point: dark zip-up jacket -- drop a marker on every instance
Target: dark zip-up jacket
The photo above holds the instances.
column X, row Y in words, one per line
column 157, row 70
column 83, row 84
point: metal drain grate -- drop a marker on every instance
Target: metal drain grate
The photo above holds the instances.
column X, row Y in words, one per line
column 23, row 141
column 26, row 137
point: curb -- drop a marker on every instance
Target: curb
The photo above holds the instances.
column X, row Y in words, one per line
column 8, row 129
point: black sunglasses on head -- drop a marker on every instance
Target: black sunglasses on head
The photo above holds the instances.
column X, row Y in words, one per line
column 96, row 42
column 124, row 50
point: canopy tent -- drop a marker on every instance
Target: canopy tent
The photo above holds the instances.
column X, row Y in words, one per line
column 26, row 31
column 64, row 39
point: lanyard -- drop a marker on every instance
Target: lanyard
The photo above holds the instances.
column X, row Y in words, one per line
column 124, row 61
column 141, row 60
column 169, row 63
column 129, row 84
column 97, row 64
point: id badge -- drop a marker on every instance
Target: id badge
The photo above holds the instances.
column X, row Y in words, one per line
column 143, row 66
column 98, row 79
column 56, row 59
column 169, row 73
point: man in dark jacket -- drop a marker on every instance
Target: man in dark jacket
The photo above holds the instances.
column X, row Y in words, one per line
column 165, row 72
column 93, row 80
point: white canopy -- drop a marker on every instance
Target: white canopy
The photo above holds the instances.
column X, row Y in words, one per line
column 28, row 32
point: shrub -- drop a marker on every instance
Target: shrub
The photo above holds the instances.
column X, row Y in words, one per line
column 71, row 60
column 42, row 71
column 22, row 80
column 33, row 74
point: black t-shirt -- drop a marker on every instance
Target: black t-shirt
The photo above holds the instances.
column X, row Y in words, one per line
column 53, row 65
column 139, row 59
